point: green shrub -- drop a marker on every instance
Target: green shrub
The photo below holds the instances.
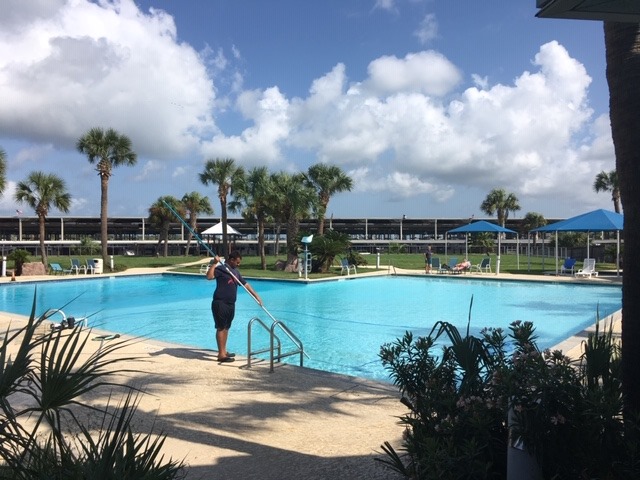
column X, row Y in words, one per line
column 567, row 415
column 325, row 248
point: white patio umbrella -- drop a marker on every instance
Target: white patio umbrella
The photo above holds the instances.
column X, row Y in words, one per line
column 217, row 230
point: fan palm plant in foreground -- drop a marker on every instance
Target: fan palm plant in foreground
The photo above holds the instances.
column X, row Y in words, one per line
column 46, row 431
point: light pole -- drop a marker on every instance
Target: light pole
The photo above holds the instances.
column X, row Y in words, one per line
column 404, row 217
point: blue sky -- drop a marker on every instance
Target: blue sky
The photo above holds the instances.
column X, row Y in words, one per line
column 426, row 104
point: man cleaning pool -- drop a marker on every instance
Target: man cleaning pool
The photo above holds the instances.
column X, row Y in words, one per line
column 223, row 306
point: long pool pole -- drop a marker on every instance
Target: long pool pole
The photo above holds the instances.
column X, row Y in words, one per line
column 201, row 242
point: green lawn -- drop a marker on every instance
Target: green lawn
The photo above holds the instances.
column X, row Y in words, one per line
column 251, row 265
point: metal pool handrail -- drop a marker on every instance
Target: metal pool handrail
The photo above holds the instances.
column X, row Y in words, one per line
column 274, row 343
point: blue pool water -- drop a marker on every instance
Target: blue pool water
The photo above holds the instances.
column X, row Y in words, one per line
column 342, row 323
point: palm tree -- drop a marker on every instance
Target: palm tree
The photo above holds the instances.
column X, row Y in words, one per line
column 256, row 194
column 622, row 42
column 295, row 199
column 531, row 221
column 195, row 204
column 41, row 191
column 498, row 200
column 608, row 182
column 3, row 170
column 161, row 217
column 327, row 180
column 109, row 149
column 228, row 177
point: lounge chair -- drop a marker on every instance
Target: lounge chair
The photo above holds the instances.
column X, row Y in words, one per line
column 588, row 268
column 483, row 266
column 345, row 266
column 56, row 269
column 91, row 266
column 568, row 266
column 76, row 267
column 435, row 265
column 462, row 267
column 448, row 267
column 458, row 268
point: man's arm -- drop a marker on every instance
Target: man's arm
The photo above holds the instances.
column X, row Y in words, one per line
column 212, row 266
column 253, row 293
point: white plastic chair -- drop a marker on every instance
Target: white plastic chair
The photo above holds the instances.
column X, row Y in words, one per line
column 76, row 267
column 346, row 267
column 483, row 266
column 588, row 268
column 91, row 266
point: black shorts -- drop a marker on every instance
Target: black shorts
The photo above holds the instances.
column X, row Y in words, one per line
column 223, row 314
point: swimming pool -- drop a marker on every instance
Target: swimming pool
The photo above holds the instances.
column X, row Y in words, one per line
column 341, row 323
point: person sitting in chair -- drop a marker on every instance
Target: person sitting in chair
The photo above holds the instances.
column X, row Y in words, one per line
column 466, row 265
column 459, row 267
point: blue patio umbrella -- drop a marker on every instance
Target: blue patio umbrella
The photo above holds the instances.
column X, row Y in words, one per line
column 595, row 221
column 482, row 226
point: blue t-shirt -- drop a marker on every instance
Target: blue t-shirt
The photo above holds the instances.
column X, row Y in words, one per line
column 226, row 287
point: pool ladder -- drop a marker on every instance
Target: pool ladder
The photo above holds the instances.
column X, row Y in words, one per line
column 274, row 343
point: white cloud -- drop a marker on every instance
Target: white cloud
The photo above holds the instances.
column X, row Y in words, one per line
column 521, row 134
column 389, row 5
column 149, row 169
column 428, row 29
column 179, row 172
column 480, row 82
column 428, row 72
column 30, row 156
column 7, row 203
column 78, row 204
column 261, row 143
column 403, row 139
column 85, row 64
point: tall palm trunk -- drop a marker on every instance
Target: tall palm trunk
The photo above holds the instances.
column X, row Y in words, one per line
column 43, row 248
column 622, row 42
column 193, row 224
column 278, row 231
column 263, row 256
column 223, row 219
column 104, row 216
column 616, row 201
column 322, row 212
column 293, row 227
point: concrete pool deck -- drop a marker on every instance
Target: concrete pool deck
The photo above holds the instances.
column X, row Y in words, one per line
column 227, row 421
